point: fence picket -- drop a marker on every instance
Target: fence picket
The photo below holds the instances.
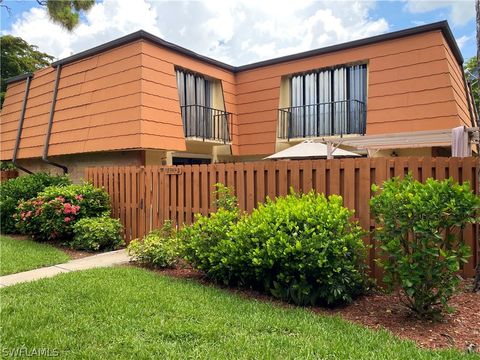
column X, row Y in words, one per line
column 143, row 198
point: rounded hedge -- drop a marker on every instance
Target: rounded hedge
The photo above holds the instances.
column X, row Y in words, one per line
column 97, row 233
column 205, row 244
column 300, row 248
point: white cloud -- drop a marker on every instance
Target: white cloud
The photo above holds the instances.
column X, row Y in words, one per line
column 418, row 22
column 105, row 21
column 462, row 40
column 460, row 11
column 237, row 32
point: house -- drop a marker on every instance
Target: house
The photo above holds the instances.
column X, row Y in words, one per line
column 140, row 100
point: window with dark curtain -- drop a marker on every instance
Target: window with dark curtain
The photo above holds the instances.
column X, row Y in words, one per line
column 328, row 102
column 194, row 93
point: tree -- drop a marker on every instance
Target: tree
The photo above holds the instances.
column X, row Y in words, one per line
column 471, row 73
column 19, row 57
column 477, row 9
column 66, row 12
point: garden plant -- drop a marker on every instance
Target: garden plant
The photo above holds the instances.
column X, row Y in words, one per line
column 418, row 228
column 300, row 248
column 23, row 188
column 159, row 249
column 75, row 215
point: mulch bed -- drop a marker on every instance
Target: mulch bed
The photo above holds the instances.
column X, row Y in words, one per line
column 459, row 329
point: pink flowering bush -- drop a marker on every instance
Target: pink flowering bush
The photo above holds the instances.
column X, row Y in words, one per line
column 53, row 213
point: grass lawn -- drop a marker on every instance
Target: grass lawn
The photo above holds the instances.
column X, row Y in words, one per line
column 128, row 312
column 23, row 255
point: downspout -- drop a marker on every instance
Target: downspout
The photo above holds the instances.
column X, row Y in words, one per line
column 20, row 127
column 50, row 124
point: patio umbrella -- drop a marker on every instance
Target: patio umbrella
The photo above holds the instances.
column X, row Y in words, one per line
column 310, row 149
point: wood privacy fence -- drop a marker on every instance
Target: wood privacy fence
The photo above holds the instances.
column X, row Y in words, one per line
column 144, row 197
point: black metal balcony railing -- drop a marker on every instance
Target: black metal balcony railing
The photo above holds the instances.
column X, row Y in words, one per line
column 206, row 123
column 325, row 119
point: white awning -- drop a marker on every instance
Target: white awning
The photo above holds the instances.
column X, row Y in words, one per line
column 413, row 139
column 310, row 149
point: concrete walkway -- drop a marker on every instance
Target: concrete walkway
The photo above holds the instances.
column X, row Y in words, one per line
column 111, row 258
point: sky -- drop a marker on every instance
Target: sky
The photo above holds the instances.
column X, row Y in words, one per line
column 238, row 32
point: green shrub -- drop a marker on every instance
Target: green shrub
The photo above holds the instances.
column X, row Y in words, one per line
column 97, row 233
column 300, row 248
column 7, row 165
column 224, row 198
column 159, row 249
column 23, row 188
column 204, row 243
column 52, row 214
column 420, row 247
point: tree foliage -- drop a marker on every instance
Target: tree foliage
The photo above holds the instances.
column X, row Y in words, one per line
column 19, row 57
column 66, row 12
column 472, row 73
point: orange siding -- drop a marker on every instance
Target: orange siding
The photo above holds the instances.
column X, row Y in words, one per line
column 409, row 89
column 458, row 85
column 160, row 96
column 98, row 106
column 127, row 97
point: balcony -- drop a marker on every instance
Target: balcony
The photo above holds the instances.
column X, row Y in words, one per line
column 335, row 118
column 206, row 124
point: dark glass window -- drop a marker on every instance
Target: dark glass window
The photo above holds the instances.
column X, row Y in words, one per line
column 327, row 102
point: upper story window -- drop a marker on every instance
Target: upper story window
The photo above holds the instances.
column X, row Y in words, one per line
column 193, row 89
column 201, row 119
column 326, row 102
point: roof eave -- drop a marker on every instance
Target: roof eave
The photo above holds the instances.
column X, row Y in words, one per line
column 18, row 78
column 441, row 25
column 143, row 35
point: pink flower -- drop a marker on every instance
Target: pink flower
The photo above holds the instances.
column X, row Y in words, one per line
column 79, row 197
column 67, row 208
column 67, row 219
column 29, row 213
